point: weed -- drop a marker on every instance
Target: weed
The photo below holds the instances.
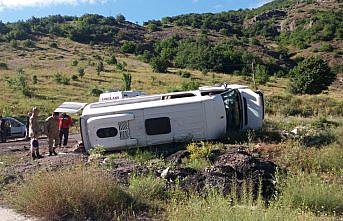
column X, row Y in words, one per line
column 197, row 164
column 147, row 188
column 141, row 156
column 97, row 152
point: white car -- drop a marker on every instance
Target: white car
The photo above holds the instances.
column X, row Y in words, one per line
column 16, row 129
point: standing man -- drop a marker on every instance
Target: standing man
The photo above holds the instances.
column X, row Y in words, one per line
column 2, row 130
column 28, row 116
column 34, row 131
column 64, row 125
column 51, row 130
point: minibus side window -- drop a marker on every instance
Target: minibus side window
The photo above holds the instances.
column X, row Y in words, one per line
column 107, row 132
column 156, row 126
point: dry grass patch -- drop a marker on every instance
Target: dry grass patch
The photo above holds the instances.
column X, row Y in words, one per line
column 76, row 194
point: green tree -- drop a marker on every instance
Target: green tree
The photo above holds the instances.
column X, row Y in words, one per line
column 128, row 47
column 261, row 74
column 159, row 64
column 120, row 18
column 311, row 76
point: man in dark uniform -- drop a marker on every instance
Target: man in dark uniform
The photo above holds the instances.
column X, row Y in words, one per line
column 3, row 130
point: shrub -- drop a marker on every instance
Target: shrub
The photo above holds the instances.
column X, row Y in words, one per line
column 81, row 72
column 203, row 150
column 19, row 83
column 74, row 63
column 3, row 66
column 74, row 77
column 159, row 64
column 120, row 18
column 34, row 79
column 224, row 31
column 255, row 41
column 127, row 80
column 311, row 76
column 99, row 67
column 14, row 43
column 190, row 85
column 128, row 47
column 152, row 27
column 326, row 48
column 75, row 194
column 61, row 79
column 53, row 44
column 29, row 43
column 112, row 60
column 185, row 74
column 94, row 91
column 121, row 66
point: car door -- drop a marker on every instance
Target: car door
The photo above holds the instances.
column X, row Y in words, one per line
column 16, row 129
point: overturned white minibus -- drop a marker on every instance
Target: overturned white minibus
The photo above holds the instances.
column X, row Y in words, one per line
column 205, row 114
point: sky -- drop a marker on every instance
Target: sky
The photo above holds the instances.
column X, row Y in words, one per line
column 134, row 10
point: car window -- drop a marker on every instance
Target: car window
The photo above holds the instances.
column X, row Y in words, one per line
column 14, row 123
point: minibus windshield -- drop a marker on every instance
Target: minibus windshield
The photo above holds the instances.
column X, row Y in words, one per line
column 231, row 101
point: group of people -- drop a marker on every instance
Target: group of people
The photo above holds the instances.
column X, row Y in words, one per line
column 56, row 127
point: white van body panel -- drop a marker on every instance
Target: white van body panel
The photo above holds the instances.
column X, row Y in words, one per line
column 110, row 121
column 193, row 115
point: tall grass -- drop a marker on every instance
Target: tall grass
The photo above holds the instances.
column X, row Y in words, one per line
column 309, row 192
column 75, row 194
column 217, row 207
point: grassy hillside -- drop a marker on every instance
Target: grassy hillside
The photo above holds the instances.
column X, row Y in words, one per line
column 213, row 47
